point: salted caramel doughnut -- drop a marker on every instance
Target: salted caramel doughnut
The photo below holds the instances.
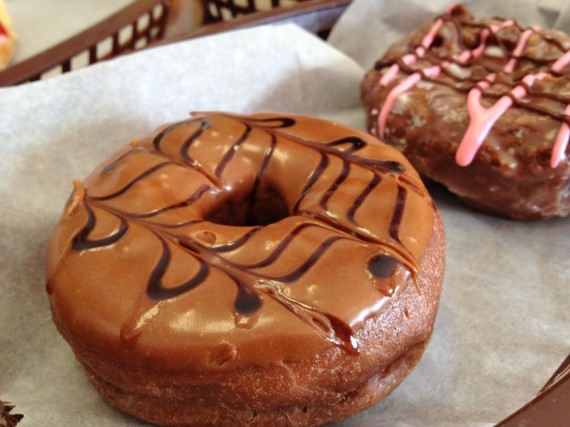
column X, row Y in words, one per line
column 481, row 107
column 233, row 270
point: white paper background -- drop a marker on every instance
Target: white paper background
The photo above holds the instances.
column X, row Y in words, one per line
column 369, row 27
column 41, row 24
column 503, row 324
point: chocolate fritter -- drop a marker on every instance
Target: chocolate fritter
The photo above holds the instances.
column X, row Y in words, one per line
column 481, row 107
column 262, row 270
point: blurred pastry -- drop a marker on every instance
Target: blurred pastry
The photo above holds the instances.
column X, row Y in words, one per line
column 482, row 107
column 7, row 36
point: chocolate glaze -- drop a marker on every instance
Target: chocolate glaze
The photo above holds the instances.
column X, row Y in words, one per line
column 439, row 55
column 137, row 228
column 482, row 108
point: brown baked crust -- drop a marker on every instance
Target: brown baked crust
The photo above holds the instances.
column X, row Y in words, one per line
column 173, row 411
column 327, row 387
column 511, row 174
column 224, row 382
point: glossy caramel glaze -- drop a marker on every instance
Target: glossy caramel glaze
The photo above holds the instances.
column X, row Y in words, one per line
column 149, row 264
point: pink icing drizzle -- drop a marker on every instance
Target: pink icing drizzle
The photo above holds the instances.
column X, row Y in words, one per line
column 410, row 58
column 561, row 142
column 403, row 86
column 392, row 72
column 480, row 126
column 478, row 51
column 517, row 52
column 564, row 134
column 481, row 119
column 561, row 62
column 434, row 71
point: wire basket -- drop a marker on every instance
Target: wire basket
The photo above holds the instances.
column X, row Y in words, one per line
column 136, row 26
column 225, row 10
column 144, row 23
column 315, row 16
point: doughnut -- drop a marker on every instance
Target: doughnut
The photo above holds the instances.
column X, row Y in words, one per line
column 248, row 270
column 481, row 107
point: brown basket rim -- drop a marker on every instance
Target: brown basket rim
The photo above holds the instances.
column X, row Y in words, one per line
column 316, row 16
column 87, row 40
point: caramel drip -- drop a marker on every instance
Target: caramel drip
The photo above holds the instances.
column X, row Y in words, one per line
column 252, row 284
column 328, row 326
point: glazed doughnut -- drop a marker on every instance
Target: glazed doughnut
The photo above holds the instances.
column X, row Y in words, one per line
column 481, row 107
column 263, row 270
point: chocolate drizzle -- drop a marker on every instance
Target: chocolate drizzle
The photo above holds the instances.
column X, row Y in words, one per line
column 441, row 56
column 312, row 179
column 362, row 196
column 134, row 181
column 81, row 242
column 155, row 289
column 253, row 283
column 263, row 167
column 382, row 266
column 231, row 152
column 398, row 212
column 200, row 192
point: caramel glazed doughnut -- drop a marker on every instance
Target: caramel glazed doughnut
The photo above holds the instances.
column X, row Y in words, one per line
column 481, row 107
column 236, row 270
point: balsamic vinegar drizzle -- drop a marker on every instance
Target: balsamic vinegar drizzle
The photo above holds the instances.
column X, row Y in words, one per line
column 251, row 284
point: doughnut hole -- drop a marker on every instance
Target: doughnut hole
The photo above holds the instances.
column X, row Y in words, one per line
column 255, row 209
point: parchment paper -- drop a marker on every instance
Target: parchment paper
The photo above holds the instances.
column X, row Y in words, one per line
column 503, row 324
column 41, row 24
column 369, row 27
